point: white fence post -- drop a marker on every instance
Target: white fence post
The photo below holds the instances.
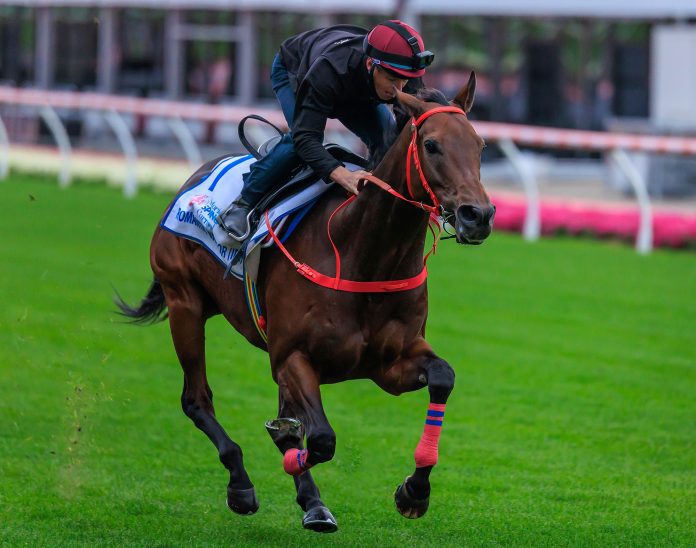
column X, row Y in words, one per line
column 130, row 152
column 645, row 231
column 4, row 151
column 55, row 125
column 187, row 141
column 532, row 218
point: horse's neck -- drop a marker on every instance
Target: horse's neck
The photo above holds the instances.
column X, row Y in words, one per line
column 383, row 235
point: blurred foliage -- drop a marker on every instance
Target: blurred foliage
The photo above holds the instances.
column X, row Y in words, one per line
column 366, row 21
column 513, row 56
column 494, row 47
column 140, row 30
column 633, row 32
column 464, row 42
column 272, row 29
column 210, row 17
column 22, row 17
column 76, row 15
column 577, row 62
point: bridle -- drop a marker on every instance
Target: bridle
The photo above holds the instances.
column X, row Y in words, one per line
column 436, row 211
column 447, row 216
column 412, row 154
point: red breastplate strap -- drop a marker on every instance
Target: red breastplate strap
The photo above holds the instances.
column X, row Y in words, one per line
column 338, row 284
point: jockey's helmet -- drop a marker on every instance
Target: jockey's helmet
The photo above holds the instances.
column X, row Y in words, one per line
column 399, row 48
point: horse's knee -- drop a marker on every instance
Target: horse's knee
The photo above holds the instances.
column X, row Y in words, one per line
column 440, row 381
column 321, row 445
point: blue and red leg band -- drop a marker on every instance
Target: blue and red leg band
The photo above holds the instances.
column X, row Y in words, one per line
column 295, row 461
column 426, row 451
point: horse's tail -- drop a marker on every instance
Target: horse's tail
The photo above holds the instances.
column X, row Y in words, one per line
column 152, row 308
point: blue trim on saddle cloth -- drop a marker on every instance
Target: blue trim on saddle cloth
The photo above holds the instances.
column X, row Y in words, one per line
column 224, row 161
column 296, row 220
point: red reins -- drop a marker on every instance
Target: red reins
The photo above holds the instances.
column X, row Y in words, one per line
column 339, row 284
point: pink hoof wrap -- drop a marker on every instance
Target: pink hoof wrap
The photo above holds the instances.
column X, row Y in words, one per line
column 426, row 451
column 295, row 461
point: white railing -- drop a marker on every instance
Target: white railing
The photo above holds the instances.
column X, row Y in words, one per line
column 507, row 136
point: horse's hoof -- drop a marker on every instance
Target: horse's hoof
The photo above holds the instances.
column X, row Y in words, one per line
column 408, row 506
column 319, row 519
column 286, row 432
column 242, row 501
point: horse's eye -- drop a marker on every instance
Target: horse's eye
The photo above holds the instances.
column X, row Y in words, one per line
column 431, row 146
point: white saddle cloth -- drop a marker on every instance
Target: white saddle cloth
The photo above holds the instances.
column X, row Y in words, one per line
column 193, row 214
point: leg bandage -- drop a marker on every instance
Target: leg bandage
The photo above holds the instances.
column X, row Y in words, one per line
column 295, row 461
column 426, row 451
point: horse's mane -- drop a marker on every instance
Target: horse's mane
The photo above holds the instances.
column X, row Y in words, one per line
column 429, row 95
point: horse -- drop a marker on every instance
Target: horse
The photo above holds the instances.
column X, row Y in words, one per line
column 318, row 334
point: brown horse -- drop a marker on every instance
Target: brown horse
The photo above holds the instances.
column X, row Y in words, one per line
column 318, row 335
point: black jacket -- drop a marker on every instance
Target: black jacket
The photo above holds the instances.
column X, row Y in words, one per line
column 328, row 75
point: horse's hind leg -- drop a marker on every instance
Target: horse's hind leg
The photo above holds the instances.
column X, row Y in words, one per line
column 187, row 324
column 300, row 407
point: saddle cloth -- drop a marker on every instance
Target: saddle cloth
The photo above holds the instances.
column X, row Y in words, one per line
column 194, row 211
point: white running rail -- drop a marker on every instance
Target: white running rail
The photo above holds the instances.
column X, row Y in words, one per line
column 508, row 137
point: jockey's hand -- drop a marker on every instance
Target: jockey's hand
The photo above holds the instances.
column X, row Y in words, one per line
column 350, row 180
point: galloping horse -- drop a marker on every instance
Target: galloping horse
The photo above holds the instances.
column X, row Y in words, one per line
column 320, row 334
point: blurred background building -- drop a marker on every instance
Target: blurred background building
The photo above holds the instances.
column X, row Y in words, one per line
column 590, row 64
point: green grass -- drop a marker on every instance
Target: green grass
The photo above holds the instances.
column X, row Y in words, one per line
column 572, row 423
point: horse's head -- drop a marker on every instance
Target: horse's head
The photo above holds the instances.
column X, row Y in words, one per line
column 448, row 150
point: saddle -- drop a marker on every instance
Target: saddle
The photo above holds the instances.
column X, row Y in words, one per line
column 300, row 178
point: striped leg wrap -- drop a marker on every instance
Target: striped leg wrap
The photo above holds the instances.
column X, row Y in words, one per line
column 426, row 451
column 295, row 461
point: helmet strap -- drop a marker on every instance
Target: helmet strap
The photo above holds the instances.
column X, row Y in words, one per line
column 371, row 75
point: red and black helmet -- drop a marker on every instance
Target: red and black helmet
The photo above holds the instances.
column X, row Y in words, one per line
column 398, row 48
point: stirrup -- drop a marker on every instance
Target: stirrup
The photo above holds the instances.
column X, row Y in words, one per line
column 249, row 224
column 241, row 239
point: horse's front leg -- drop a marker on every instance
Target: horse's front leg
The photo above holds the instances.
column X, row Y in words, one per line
column 413, row 495
column 300, row 409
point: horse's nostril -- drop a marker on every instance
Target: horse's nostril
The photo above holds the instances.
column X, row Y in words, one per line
column 472, row 215
column 469, row 214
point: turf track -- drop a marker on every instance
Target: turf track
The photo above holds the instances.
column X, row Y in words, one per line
column 572, row 423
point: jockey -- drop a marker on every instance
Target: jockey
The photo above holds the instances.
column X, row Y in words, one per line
column 340, row 72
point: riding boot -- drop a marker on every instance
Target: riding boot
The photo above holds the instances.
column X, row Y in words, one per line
column 235, row 219
column 265, row 174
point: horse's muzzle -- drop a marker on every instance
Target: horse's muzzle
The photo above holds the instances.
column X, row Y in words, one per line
column 474, row 223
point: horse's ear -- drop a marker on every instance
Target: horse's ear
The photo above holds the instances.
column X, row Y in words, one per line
column 465, row 97
column 414, row 106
